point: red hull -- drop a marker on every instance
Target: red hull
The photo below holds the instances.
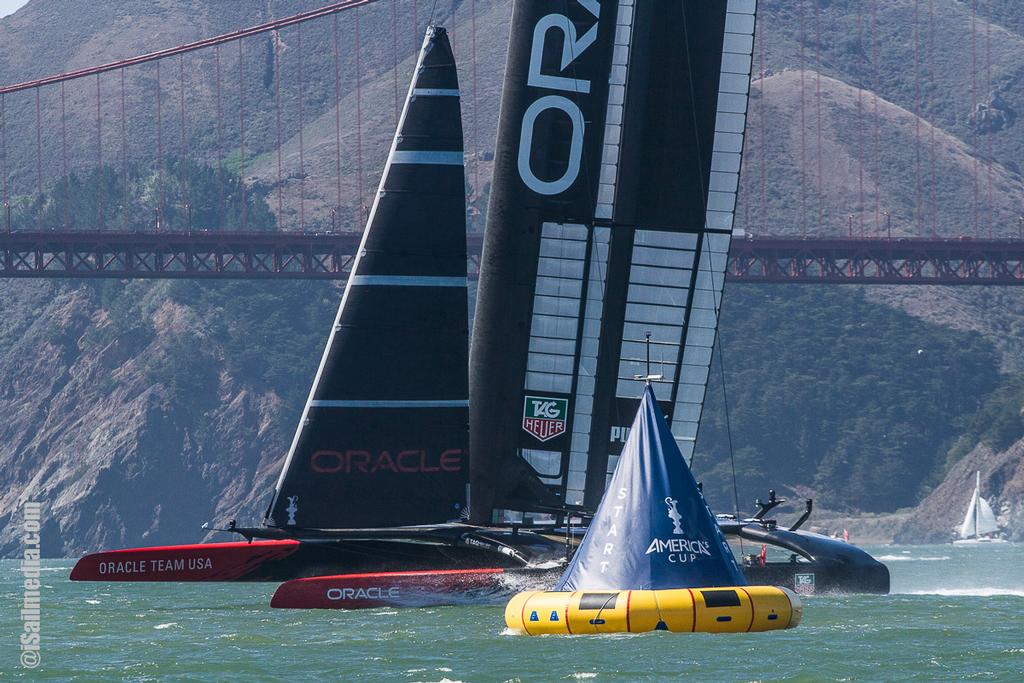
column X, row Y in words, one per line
column 194, row 562
column 390, row 589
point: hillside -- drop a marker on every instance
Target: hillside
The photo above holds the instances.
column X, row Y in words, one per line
column 139, row 410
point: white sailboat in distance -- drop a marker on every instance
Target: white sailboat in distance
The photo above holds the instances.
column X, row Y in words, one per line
column 980, row 522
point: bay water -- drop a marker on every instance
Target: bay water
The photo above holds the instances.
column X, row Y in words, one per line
column 955, row 613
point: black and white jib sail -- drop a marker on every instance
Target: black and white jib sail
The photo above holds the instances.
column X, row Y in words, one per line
column 383, row 438
column 617, row 166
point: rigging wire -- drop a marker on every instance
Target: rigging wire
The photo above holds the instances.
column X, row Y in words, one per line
column 728, row 423
column 725, row 402
column 693, row 110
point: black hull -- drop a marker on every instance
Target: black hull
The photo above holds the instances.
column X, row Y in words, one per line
column 820, row 578
column 821, row 564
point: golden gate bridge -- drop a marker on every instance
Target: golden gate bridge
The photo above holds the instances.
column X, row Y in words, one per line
column 65, row 132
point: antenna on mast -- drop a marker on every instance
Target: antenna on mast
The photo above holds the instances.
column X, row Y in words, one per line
column 648, row 378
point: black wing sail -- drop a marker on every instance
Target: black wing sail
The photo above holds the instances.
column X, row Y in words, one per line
column 611, row 211
column 383, row 438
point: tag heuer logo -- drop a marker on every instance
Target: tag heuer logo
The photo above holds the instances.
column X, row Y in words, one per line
column 544, row 418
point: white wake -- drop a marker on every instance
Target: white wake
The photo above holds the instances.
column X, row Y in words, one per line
column 986, row 592
column 909, row 558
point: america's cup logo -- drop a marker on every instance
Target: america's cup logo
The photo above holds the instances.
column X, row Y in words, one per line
column 673, row 514
column 293, row 507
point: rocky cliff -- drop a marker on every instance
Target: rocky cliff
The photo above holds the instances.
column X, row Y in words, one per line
column 135, row 417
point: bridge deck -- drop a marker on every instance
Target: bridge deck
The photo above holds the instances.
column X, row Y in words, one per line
column 284, row 255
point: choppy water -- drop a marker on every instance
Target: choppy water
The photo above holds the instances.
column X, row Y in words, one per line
column 955, row 614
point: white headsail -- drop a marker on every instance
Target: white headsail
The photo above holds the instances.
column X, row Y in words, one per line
column 980, row 519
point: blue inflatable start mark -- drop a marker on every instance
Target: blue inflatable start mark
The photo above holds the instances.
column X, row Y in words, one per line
column 653, row 529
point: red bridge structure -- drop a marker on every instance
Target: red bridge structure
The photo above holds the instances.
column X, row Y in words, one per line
column 84, row 198
column 325, row 256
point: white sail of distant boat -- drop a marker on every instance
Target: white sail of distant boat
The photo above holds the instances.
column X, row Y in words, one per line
column 979, row 520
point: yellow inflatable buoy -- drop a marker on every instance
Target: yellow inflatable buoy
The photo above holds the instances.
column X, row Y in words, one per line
column 709, row 610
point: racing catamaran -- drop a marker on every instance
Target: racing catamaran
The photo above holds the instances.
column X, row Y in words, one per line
column 378, row 471
column 610, row 217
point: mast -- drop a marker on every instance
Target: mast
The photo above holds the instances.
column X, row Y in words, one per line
column 611, row 214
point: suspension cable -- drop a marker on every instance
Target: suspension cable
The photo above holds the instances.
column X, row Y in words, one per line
column 100, row 189
column 222, row 207
column 919, row 225
column 39, row 146
column 876, row 72
column 302, row 144
column 124, row 157
column 337, row 116
column 930, row 59
column 3, row 160
column 817, row 105
column 974, row 104
column 190, row 47
column 763, row 39
column 64, row 158
column 861, row 142
column 359, row 120
column 394, row 55
column 803, row 124
column 159, row 152
column 241, row 134
column 186, row 182
column 474, row 157
column 277, row 100
column 990, row 161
